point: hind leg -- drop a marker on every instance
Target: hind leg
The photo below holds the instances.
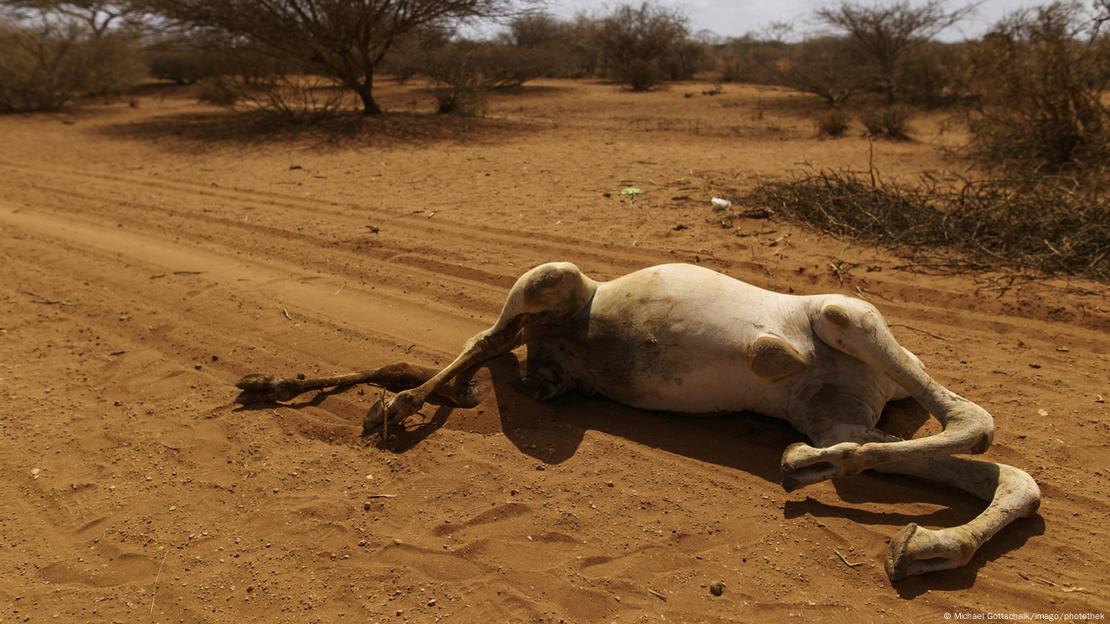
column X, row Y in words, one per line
column 1011, row 494
column 856, row 328
column 548, row 294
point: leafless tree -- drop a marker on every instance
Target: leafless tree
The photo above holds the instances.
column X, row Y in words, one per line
column 635, row 40
column 343, row 39
column 829, row 67
column 98, row 16
column 887, row 33
column 54, row 53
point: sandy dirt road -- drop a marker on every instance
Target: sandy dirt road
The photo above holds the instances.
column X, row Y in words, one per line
column 154, row 255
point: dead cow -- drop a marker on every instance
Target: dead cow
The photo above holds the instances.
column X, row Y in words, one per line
column 683, row 338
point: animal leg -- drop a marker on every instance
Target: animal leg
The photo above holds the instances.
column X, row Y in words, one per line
column 549, row 293
column 261, row 388
column 856, row 328
column 1011, row 494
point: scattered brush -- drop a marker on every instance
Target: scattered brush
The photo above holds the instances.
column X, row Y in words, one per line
column 832, row 123
column 891, row 122
column 1050, row 225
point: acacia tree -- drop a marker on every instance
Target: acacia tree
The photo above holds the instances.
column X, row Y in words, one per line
column 888, row 33
column 344, row 40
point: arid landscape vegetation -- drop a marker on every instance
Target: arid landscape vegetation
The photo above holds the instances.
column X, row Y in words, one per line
column 189, row 198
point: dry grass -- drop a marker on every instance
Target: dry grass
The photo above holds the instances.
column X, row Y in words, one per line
column 1052, row 225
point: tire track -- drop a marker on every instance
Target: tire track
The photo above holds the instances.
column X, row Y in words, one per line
column 239, row 279
column 549, row 246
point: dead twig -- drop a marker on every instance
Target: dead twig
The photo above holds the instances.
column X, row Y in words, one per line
column 157, row 579
column 285, row 311
column 864, row 291
column 658, row 595
column 920, row 331
column 845, row 560
column 385, row 416
column 39, row 299
column 382, row 496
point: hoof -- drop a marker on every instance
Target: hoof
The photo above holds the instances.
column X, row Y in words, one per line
column 896, row 559
column 255, row 382
column 373, row 419
column 915, row 550
column 259, row 388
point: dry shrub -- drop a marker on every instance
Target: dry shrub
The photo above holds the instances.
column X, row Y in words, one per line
column 832, row 123
column 462, row 83
column 830, row 67
column 466, row 72
column 298, row 98
column 889, row 122
column 1056, row 226
column 637, row 41
column 184, row 67
column 1040, row 81
column 932, row 75
column 48, row 66
column 750, row 60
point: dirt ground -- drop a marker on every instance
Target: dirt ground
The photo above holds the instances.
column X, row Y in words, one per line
column 154, row 254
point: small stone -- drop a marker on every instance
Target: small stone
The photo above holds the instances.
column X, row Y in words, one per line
column 173, row 507
column 366, row 506
column 396, row 541
column 1034, row 366
column 197, row 366
column 717, row 588
column 541, row 467
column 514, row 492
column 117, row 403
column 250, row 589
column 432, row 602
column 610, row 484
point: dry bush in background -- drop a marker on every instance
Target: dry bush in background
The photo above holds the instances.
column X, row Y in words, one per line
column 831, row 68
column 51, row 56
column 461, row 78
column 635, row 41
column 1051, row 225
column 569, row 47
column 184, row 66
column 1040, row 82
column 888, row 33
column 345, row 41
column 751, row 60
column 832, row 123
column 404, row 58
column 887, row 122
column 296, row 97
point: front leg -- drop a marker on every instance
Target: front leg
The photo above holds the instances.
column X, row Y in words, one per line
column 548, row 294
column 262, row 388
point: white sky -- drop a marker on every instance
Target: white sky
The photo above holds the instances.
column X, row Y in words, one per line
column 736, row 17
